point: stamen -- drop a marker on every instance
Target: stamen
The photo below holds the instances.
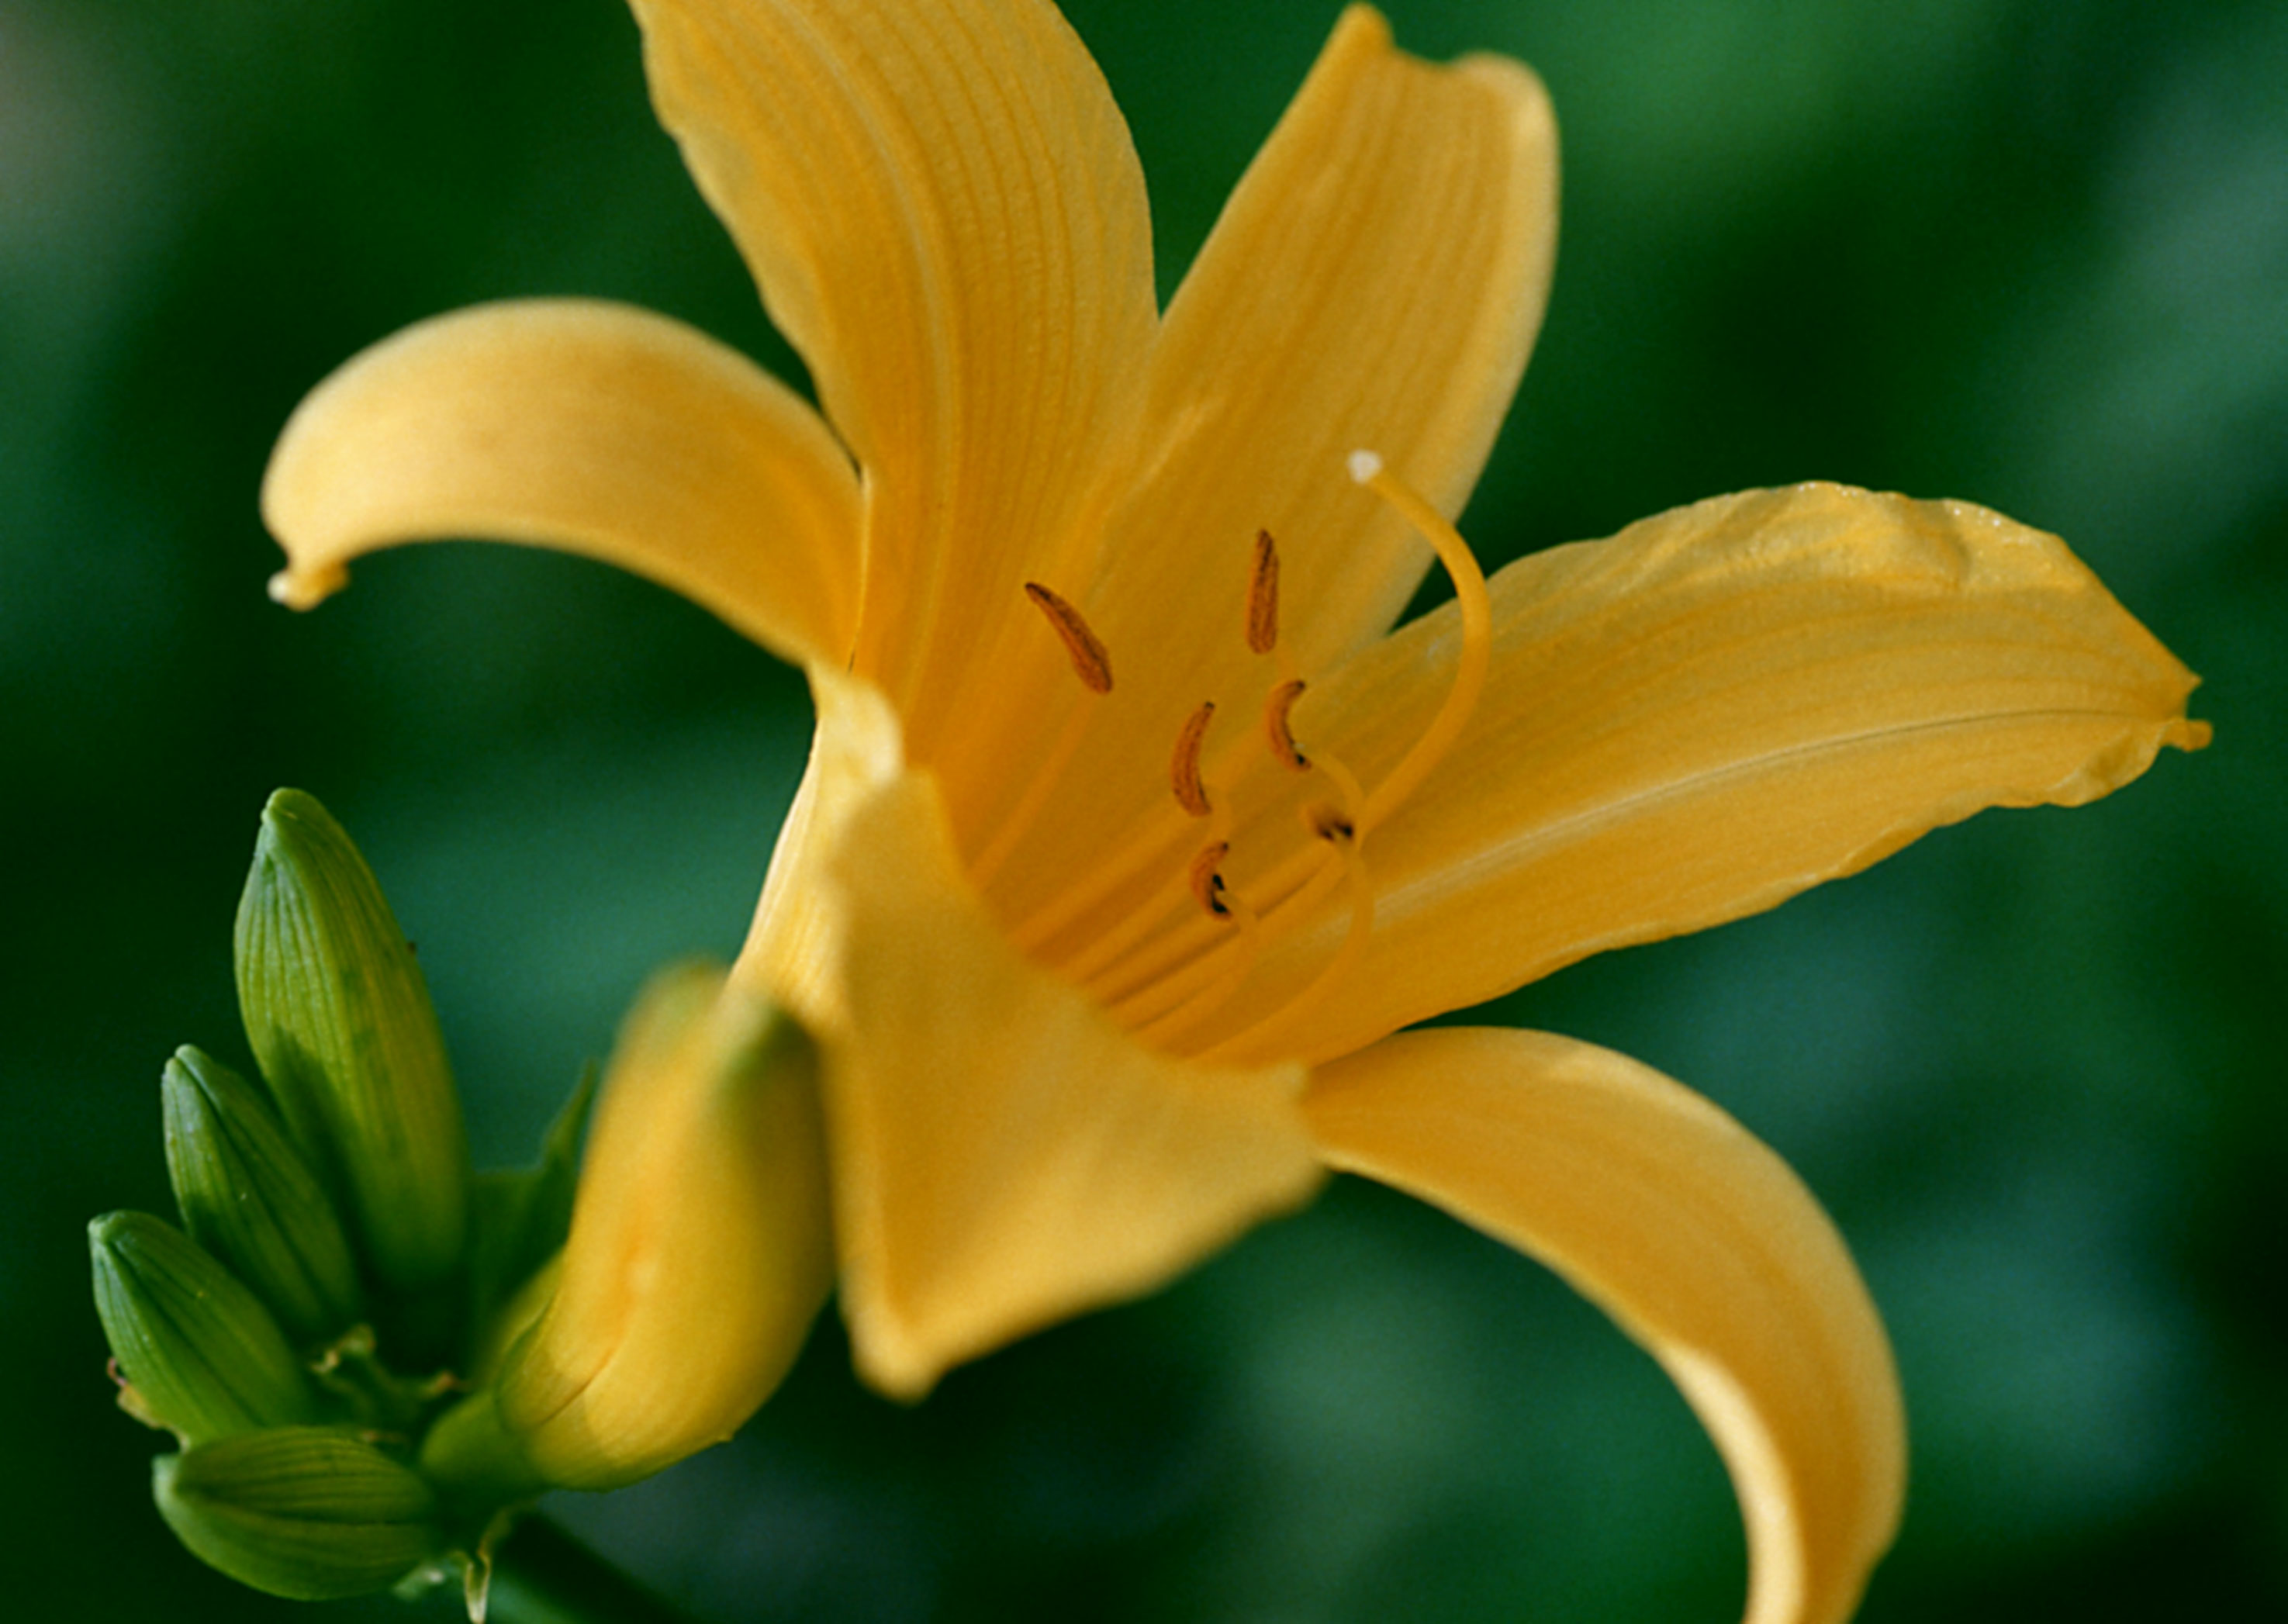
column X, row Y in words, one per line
column 1191, row 970
column 1263, row 595
column 1275, row 725
column 1208, row 888
column 1109, row 947
column 1476, row 608
column 1217, row 980
column 1328, row 822
column 1184, row 766
column 1091, row 662
column 1154, row 995
column 1252, row 1038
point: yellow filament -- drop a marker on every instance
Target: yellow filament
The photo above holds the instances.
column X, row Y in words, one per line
column 1145, row 845
column 1109, row 948
column 1477, row 636
column 1028, row 806
column 1195, row 976
column 1347, row 785
column 1199, row 1003
column 1195, row 987
column 1131, row 988
column 1101, row 952
column 1330, row 974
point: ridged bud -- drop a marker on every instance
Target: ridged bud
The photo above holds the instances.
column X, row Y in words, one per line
column 249, row 1197
column 518, row 1221
column 699, row 1253
column 201, row 1355
column 311, row 1513
column 340, row 1019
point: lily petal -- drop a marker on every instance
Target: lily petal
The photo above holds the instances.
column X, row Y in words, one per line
column 1710, row 712
column 1378, row 280
column 947, row 217
column 1694, row 1236
column 594, row 428
column 793, row 951
column 1004, row 1155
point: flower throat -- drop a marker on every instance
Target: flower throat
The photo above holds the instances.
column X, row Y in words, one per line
column 1202, row 966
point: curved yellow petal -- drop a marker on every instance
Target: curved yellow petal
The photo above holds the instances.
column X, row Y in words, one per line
column 1377, row 279
column 1708, row 713
column 595, row 428
column 945, row 216
column 1003, row 1155
column 1694, row 1236
column 699, row 1252
column 793, row 951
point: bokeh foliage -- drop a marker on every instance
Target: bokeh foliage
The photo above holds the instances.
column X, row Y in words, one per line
column 2030, row 252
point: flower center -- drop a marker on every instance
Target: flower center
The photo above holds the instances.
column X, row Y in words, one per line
column 1163, row 977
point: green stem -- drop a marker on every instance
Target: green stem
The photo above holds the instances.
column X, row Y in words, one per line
column 543, row 1575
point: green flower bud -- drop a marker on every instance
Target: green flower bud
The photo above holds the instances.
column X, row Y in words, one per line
column 477, row 1464
column 305, row 1512
column 249, row 1197
column 339, row 1018
column 201, row 1355
column 518, row 1221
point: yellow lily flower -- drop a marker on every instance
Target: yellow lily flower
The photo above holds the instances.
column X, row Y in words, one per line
column 1133, row 832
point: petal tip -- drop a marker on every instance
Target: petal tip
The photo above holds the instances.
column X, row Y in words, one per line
column 1365, row 24
column 893, row 1365
column 305, row 588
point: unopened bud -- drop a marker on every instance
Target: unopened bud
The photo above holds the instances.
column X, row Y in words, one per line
column 340, row 1021
column 699, row 1254
column 201, row 1354
column 312, row 1513
column 518, row 1221
column 249, row 1197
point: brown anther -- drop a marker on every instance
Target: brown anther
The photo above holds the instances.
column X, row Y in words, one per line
column 1263, row 595
column 1091, row 662
column 1184, row 766
column 1327, row 823
column 1274, row 724
column 1207, row 885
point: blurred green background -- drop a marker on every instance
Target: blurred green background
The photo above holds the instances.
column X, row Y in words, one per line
column 2028, row 252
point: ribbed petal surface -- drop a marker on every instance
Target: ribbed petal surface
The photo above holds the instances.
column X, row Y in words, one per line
column 945, row 216
column 1708, row 713
column 1377, row 279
